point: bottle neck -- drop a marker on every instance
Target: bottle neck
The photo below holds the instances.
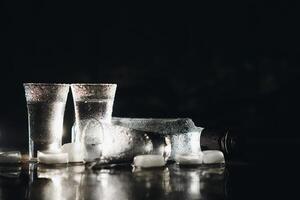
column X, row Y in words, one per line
column 223, row 140
column 212, row 139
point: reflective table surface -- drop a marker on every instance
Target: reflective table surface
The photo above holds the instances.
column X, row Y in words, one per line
column 75, row 181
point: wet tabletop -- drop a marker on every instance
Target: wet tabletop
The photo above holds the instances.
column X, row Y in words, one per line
column 35, row 181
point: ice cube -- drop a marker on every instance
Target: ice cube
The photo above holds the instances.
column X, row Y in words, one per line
column 147, row 161
column 189, row 159
column 52, row 157
column 74, row 152
column 213, row 157
column 10, row 157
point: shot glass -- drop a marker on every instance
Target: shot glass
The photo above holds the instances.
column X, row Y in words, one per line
column 45, row 106
column 92, row 101
column 185, row 143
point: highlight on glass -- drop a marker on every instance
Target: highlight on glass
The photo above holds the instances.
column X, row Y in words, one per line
column 45, row 106
column 92, row 101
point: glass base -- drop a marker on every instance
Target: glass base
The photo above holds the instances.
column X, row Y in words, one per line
column 34, row 147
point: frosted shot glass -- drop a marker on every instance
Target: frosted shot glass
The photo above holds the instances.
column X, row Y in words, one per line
column 45, row 107
column 92, row 101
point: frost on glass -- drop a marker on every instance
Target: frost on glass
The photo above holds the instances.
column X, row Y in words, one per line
column 162, row 126
column 93, row 101
column 93, row 104
column 45, row 107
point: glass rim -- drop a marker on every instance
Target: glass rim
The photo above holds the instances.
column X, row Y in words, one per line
column 46, row 84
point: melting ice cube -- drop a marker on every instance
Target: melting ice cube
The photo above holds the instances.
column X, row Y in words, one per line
column 52, row 157
column 213, row 157
column 74, row 152
column 189, row 159
column 147, row 161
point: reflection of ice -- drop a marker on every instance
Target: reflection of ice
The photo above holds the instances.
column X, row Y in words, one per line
column 70, row 173
column 210, row 171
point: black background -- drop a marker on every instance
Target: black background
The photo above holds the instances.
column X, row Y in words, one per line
column 223, row 64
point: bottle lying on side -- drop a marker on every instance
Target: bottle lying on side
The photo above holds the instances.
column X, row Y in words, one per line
column 185, row 136
column 125, row 138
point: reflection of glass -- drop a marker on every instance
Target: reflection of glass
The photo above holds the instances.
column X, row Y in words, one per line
column 154, row 181
column 106, row 185
column 186, row 182
column 92, row 101
column 56, row 182
column 45, row 106
column 11, row 183
column 10, row 157
column 213, row 182
column 198, row 182
column 172, row 182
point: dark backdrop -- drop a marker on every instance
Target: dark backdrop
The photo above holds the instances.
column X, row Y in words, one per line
column 223, row 64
